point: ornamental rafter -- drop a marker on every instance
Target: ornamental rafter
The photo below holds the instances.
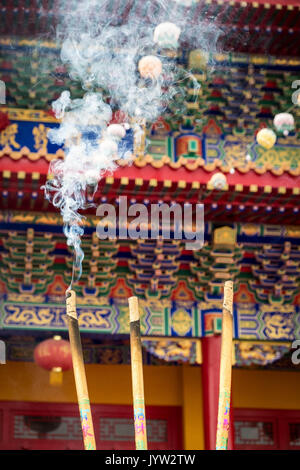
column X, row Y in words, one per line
column 153, row 267
column 26, row 263
column 216, row 263
column 98, row 267
column 277, row 273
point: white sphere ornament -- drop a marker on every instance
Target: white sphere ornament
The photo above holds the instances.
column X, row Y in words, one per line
column 150, row 66
column 266, row 138
column 116, row 130
column 167, row 35
column 284, row 122
column 218, row 181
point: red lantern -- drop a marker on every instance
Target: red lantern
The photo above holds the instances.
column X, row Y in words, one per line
column 54, row 355
column 4, row 121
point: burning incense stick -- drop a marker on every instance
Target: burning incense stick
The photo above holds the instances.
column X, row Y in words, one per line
column 137, row 375
column 225, row 369
column 79, row 373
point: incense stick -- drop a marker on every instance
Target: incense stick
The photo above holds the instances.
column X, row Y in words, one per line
column 137, row 376
column 79, row 373
column 225, row 369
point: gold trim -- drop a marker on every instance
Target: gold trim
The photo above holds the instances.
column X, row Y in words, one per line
column 21, row 175
column 33, row 156
column 124, row 181
column 109, row 180
column 29, row 115
column 182, row 162
column 282, row 190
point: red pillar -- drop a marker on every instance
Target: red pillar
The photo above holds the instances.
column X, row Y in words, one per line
column 211, row 352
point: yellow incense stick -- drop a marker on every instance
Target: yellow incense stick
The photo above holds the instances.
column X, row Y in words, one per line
column 79, row 373
column 225, row 369
column 137, row 376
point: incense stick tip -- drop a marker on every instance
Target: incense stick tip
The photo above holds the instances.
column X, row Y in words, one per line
column 70, row 293
column 134, row 313
column 228, row 296
column 71, row 303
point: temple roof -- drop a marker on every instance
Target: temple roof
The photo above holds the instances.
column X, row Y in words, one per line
column 214, row 133
column 254, row 26
column 251, row 230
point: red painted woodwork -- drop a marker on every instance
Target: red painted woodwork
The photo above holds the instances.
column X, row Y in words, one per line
column 211, row 351
column 243, row 18
column 4, row 121
column 160, row 174
column 243, row 206
column 270, row 2
column 9, row 411
column 281, row 420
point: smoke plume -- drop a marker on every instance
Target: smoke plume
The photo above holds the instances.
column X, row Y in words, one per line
column 102, row 46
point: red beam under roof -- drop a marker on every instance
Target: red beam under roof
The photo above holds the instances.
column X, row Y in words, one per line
column 294, row 3
column 148, row 172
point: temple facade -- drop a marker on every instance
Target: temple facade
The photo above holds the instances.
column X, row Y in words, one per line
column 205, row 154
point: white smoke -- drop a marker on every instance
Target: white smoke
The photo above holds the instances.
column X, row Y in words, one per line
column 102, row 51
